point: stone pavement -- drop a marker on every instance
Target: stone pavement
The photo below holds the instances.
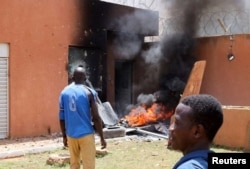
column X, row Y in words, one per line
column 10, row 148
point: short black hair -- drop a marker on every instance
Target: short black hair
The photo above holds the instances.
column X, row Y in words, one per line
column 79, row 74
column 207, row 111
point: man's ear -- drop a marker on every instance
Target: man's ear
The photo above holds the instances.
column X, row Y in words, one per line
column 198, row 131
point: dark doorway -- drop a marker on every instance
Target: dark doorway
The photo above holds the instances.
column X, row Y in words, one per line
column 91, row 60
column 123, row 86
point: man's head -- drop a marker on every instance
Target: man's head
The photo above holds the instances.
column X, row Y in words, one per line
column 197, row 119
column 79, row 75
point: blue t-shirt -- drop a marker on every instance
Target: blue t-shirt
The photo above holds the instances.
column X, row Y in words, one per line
column 194, row 160
column 75, row 110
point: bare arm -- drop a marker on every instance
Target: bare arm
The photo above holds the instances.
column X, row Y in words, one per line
column 97, row 121
column 63, row 129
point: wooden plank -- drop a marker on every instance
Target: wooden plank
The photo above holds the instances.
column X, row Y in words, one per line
column 193, row 85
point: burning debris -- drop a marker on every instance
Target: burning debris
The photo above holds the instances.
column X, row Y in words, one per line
column 149, row 110
column 141, row 115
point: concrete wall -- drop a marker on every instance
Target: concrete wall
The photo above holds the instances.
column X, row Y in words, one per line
column 229, row 81
column 235, row 129
column 39, row 34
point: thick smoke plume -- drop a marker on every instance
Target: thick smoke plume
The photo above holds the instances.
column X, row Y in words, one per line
column 172, row 58
column 128, row 42
column 174, row 54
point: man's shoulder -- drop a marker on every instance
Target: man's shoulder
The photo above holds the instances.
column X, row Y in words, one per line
column 196, row 159
column 68, row 86
column 197, row 163
column 91, row 90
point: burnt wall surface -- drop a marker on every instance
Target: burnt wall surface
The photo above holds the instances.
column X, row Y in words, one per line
column 39, row 52
column 118, row 31
column 114, row 17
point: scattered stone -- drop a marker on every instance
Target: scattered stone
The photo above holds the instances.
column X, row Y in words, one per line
column 58, row 159
column 101, row 152
column 64, row 159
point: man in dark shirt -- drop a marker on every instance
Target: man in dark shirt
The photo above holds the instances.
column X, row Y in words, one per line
column 197, row 119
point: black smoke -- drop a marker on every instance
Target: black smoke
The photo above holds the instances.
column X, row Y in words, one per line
column 174, row 55
column 170, row 60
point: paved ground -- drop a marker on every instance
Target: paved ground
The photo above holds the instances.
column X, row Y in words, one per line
column 19, row 147
column 10, row 148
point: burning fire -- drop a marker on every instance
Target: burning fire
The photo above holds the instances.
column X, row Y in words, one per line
column 142, row 115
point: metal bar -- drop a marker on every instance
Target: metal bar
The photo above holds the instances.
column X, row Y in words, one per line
column 151, row 133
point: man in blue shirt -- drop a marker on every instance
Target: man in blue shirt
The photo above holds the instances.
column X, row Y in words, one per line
column 197, row 119
column 77, row 111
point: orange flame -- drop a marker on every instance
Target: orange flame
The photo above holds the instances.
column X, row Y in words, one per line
column 141, row 115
